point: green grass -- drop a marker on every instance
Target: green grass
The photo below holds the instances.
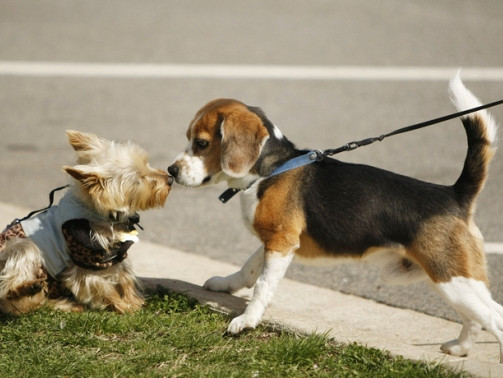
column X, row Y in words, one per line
column 175, row 336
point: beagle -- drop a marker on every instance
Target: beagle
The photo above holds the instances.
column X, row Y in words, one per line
column 330, row 209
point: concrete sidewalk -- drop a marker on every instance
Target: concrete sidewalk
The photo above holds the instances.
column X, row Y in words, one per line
column 306, row 308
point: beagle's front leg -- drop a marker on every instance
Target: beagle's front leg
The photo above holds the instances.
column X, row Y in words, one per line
column 275, row 266
column 245, row 277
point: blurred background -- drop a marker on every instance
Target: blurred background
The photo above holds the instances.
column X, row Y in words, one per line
column 136, row 70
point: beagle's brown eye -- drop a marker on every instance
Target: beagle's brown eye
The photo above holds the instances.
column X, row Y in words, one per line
column 201, row 143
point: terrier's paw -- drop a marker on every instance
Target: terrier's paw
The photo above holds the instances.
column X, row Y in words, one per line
column 218, row 284
column 455, row 348
column 28, row 289
column 240, row 323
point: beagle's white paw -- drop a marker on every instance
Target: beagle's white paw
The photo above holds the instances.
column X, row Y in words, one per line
column 242, row 322
column 455, row 348
column 218, row 284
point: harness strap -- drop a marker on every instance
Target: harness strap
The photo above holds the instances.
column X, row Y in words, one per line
column 86, row 252
column 228, row 194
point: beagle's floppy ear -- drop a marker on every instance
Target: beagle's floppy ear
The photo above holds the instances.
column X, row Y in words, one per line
column 243, row 136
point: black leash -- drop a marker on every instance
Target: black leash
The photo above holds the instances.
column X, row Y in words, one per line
column 51, row 201
column 316, row 155
column 364, row 142
column 134, row 220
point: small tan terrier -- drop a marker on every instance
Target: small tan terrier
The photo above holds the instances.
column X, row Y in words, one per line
column 73, row 255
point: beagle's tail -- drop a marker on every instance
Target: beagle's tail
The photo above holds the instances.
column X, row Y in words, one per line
column 480, row 130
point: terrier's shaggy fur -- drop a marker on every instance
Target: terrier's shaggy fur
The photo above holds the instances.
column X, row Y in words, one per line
column 73, row 255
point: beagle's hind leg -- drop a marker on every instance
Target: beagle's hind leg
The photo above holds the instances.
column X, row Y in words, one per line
column 467, row 337
column 396, row 268
column 472, row 300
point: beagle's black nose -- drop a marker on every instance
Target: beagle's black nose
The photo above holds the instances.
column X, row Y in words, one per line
column 173, row 170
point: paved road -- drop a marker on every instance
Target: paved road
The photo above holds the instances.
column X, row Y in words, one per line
column 154, row 111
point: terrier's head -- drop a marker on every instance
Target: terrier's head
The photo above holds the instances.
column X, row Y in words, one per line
column 115, row 179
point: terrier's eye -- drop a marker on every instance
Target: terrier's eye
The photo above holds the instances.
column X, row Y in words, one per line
column 201, row 143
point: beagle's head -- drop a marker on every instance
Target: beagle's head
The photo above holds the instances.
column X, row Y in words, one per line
column 225, row 141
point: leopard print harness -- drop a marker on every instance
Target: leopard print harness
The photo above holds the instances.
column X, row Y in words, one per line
column 83, row 250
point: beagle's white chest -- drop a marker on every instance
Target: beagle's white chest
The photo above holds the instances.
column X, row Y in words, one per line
column 249, row 202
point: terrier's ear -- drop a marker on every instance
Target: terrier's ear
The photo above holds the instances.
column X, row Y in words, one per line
column 83, row 141
column 243, row 136
column 87, row 179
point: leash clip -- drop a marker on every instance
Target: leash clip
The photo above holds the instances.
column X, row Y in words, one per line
column 317, row 155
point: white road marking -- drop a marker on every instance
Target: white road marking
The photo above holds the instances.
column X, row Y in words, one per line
column 494, row 248
column 222, row 71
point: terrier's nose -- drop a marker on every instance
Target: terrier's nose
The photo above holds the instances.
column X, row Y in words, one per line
column 170, row 180
column 173, row 170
